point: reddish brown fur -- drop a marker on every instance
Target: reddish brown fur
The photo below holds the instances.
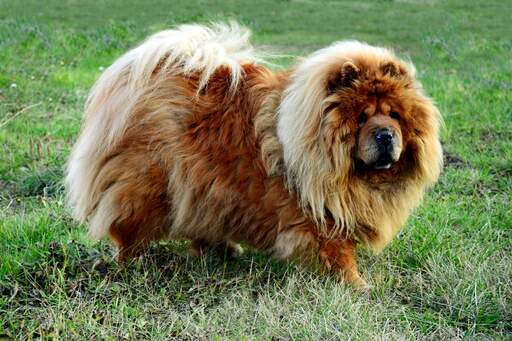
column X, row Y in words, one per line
column 218, row 144
column 207, row 165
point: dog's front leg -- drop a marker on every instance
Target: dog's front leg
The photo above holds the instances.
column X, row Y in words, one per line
column 335, row 255
column 338, row 256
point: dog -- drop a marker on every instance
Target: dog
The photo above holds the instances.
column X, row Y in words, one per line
column 192, row 136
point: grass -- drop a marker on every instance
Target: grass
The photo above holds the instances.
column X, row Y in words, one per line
column 448, row 275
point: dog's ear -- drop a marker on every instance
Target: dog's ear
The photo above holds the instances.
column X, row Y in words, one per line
column 343, row 78
column 394, row 70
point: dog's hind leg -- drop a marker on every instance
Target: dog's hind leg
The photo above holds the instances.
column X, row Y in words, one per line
column 140, row 202
column 133, row 234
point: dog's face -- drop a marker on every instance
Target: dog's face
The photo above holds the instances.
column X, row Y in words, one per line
column 379, row 142
column 374, row 105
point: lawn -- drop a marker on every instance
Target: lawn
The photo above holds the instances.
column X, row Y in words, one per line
column 448, row 274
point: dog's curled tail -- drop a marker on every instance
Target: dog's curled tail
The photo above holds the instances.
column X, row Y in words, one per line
column 186, row 50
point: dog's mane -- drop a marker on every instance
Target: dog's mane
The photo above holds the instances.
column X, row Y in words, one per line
column 322, row 172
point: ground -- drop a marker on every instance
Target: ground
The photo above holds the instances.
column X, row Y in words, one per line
column 447, row 275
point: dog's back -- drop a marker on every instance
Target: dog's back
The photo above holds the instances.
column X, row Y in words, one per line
column 171, row 143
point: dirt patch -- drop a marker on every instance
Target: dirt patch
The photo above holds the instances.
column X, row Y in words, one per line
column 453, row 160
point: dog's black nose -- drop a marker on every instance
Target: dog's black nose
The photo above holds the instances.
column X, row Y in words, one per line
column 384, row 137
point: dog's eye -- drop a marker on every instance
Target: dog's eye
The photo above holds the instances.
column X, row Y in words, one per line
column 362, row 118
column 394, row 115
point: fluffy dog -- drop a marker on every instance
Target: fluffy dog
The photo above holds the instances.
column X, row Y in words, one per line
column 189, row 136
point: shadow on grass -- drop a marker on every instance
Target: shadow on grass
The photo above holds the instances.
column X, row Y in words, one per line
column 74, row 271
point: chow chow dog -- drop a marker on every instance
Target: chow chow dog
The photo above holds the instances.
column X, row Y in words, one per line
column 191, row 136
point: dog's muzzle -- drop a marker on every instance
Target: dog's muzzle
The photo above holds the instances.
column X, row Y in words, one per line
column 385, row 141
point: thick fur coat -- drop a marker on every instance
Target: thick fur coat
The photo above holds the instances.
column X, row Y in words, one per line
column 190, row 136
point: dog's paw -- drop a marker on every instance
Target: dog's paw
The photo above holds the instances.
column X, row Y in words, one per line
column 361, row 285
column 354, row 279
column 234, row 249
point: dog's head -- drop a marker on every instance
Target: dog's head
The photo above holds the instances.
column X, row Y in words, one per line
column 386, row 117
column 371, row 100
column 354, row 119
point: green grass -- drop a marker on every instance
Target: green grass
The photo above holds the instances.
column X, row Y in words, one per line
column 448, row 275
